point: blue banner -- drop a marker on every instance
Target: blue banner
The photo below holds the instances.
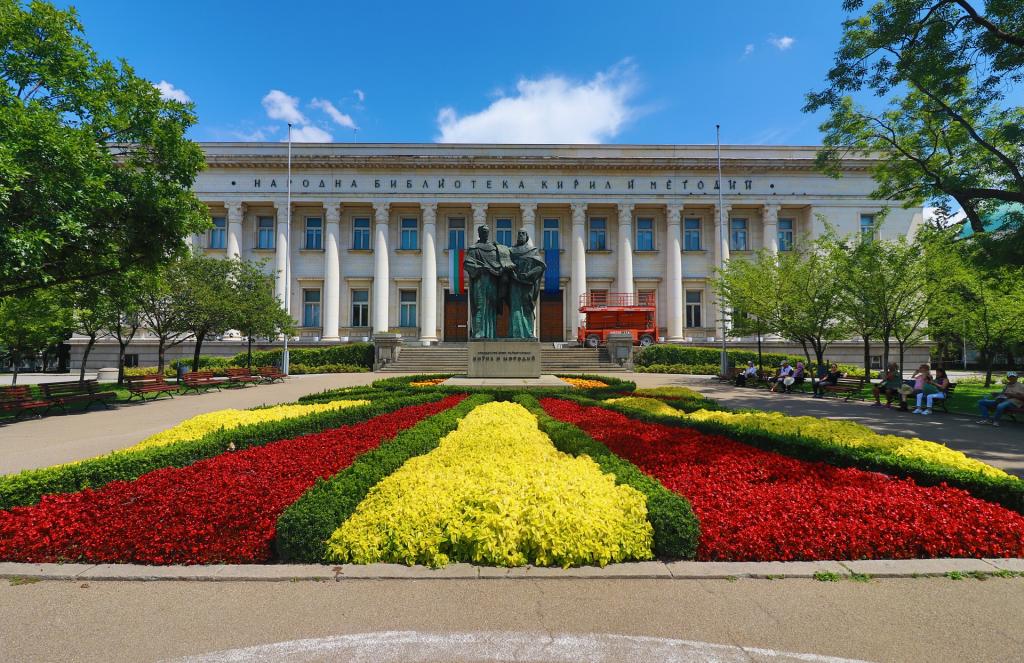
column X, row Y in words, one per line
column 551, row 274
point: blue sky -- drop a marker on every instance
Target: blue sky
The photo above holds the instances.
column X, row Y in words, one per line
column 616, row 72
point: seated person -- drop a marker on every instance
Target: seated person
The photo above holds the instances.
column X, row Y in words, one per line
column 749, row 373
column 916, row 382
column 934, row 389
column 892, row 379
column 1011, row 396
column 785, row 371
column 831, row 377
column 798, row 378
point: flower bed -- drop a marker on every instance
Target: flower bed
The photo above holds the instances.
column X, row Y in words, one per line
column 759, row 505
column 431, row 382
column 582, row 383
column 222, row 509
column 496, row 491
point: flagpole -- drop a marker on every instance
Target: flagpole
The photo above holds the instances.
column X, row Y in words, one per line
column 288, row 226
column 722, row 239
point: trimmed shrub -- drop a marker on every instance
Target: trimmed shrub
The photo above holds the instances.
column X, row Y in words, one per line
column 352, row 354
column 29, row 486
column 690, row 355
column 676, row 529
column 681, row 369
column 304, row 528
column 304, row 369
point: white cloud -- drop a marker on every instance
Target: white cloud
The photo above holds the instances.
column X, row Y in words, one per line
column 310, row 134
column 360, row 95
column 553, row 109
column 336, row 115
column 280, row 106
column 748, row 49
column 168, row 91
column 782, row 43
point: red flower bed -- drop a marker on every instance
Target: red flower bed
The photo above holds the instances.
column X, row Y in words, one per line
column 757, row 505
column 223, row 509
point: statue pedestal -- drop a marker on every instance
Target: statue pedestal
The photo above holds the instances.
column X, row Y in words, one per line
column 504, row 358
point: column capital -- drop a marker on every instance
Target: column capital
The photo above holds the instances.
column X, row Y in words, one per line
column 771, row 211
column 528, row 210
column 235, row 208
column 625, row 212
column 381, row 211
column 579, row 213
column 428, row 208
column 672, row 212
column 479, row 212
column 332, row 211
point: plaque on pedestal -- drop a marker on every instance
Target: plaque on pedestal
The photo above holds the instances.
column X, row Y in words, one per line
column 504, row 358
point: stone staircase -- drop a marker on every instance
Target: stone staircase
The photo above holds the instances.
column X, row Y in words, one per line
column 454, row 358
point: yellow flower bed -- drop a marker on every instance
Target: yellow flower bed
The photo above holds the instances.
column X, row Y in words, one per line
column 581, row 383
column 200, row 425
column 496, row 491
column 830, row 431
column 668, row 392
column 433, row 382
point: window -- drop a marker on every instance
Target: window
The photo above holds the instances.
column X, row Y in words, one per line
column 598, row 297
column 551, row 234
column 310, row 308
column 645, row 234
column 360, row 308
column 738, row 234
column 131, row 361
column 867, row 227
column 361, row 235
column 218, row 234
column 314, row 233
column 264, row 232
column 410, row 234
column 785, row 234
column 503, row 231
column 693, row 299
column 407, row 308
column 645, row 297
column 598, row 234
column 457, row 233
column 691, row 236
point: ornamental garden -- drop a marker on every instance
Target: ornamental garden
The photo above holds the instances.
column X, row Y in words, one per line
column 410, row 471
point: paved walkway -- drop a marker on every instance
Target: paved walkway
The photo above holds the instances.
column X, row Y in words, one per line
column 1002, row 447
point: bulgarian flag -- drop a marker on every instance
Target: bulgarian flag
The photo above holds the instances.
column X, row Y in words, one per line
column 456, row 271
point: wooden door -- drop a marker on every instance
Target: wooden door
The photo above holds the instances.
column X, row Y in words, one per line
column 456, row 317
column 551, row 320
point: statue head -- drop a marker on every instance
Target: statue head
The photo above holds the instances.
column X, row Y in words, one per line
column 522, row 238
column 483, row 233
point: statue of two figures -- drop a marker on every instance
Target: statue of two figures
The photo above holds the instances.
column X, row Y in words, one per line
column 500, row 274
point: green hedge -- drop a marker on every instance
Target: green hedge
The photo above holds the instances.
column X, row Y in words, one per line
column 1006, row 491
column 304, row 527
column 355, row 354
column 676, row 528
column 682, row 369
column 686, row 354
column 305, row 369
column 29, row 486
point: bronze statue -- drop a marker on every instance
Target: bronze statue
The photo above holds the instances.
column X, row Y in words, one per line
column 500, row 275
column 524, row 286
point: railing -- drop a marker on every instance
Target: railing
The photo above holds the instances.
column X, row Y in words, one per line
column 601, row 298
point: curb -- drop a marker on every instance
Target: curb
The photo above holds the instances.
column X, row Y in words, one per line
column 685, row 570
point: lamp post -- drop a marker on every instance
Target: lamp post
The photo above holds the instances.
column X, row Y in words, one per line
column 722, row 238
column 285, row 359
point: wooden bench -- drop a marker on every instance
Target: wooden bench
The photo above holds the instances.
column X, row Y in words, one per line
column 140, row 385
column 942, row 402
column 199, row 381
column 849, row 386
column 87, row 391
column 241, row 376
column 270, row 374
column 20, row 400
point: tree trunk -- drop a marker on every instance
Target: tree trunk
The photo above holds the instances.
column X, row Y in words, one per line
column 249, row 361
column 85, row 357
column 122, row 348
column 986, row 356
column 901, row 346
column 867, row 358
column 160, row 350
column 199, row 346
column 885, row 350
column 14, row 369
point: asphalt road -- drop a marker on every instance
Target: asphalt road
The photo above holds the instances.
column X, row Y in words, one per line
column 925, row 619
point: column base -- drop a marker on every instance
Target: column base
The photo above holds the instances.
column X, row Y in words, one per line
column 428, row 340
column 330, row 338
column 675, row 339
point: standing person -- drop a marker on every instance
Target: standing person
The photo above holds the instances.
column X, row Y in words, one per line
column 831, row 377
column 785, row 371
column 892, row 380
column 934, row 389
column 1012, row 395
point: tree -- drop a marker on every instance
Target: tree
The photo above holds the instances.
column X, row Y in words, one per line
column 862, row 292
column 89, row 310
column 947, row 134
column 125, row 296
column 95, row 169
column 29, row 324
column 257, row 312
column 205, row 296
column 162, row 314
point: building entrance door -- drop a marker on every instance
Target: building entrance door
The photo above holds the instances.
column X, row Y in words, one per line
column 551, row 312
column 456, row 317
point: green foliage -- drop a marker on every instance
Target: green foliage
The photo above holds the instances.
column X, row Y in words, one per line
column 353, row 354
column 696, row 356
column 826, row 576
column 304, row 527
column 256, row 312
column 31, row 323
column 676, row 529
column 95, row 171
column 303, row 369
column 29, row 486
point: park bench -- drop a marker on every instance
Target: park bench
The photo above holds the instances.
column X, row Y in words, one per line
column 86, row 391
column 270, row 374
column 20, row 400
column 141, row 385
column 849, row 386
column 199, row 381
column 241, row 376
column 942, row 402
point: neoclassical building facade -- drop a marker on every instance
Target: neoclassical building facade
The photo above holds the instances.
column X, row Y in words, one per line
column 367, row 243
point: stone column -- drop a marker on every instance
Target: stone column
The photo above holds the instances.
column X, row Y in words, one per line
column 479, row 219
column 428, row 275
column 234, row 230
column 624, row 279
column 332, row 272
column 721, row 258
column 381, row 274
column 282, row 257
column 578, row 275
column 770, row 215
column 674, row 274
column 529, row 212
